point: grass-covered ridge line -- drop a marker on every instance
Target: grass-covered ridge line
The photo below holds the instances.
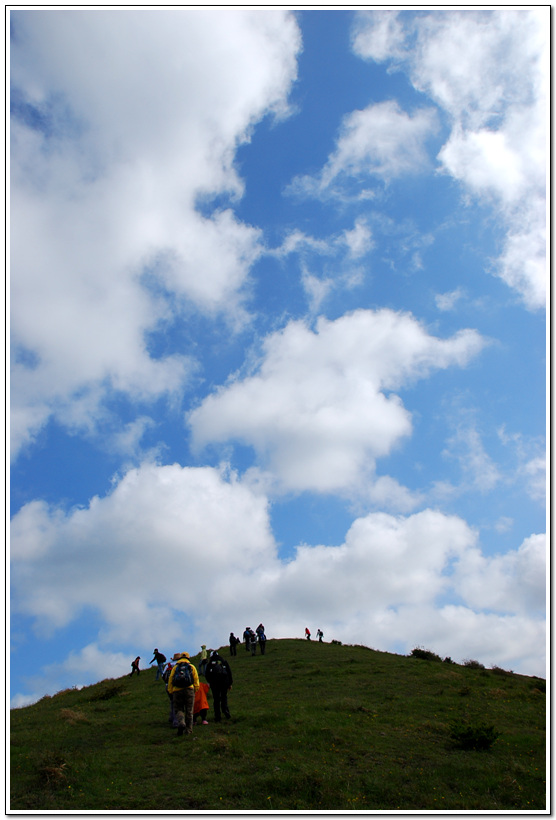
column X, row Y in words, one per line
column 314, row 726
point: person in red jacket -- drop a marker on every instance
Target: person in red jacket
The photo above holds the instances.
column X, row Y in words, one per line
column 201, row 707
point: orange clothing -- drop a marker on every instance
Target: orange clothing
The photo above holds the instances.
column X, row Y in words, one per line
column 201, row 701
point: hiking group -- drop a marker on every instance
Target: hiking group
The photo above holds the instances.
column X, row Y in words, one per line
column 251, row 638
column 187, row 694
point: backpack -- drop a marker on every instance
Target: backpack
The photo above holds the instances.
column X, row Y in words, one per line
column 161, row 658
column 183, row 676
column 217, row 669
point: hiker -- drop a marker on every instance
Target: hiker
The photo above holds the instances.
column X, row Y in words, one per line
column 307, row 634
column 233, row 644
column 320, row 635
column 262, row 638
column 247, row 638
column 253, row 643
column 135, row 666
column 219, row 676
column 201, row 707
column 166, row 678
column 160, row 660
column 204, row 656
column 182, row 685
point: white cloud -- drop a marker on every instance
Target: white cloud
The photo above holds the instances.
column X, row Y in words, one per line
column 382, row 40
column 380, row 140
column 296, row 242
column 535, row 475
column 489, row 71
column 321, row 409
column 514, row 582
column 317, row 290
column 163, row 527
column 447, row 301
column 159, row 526
column 112, row 149
column 530, row 459
column 88, row 665
column 359, row 240
column 80, row 665
column 479, row 470
column 388, row 494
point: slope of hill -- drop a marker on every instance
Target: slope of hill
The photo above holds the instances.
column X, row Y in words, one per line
column 314, row 726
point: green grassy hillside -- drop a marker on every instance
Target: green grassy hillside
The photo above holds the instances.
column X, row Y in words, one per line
column 314, row 726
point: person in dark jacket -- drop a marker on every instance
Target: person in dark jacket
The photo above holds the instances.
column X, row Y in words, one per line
column 160, row 660
column 219, row 677
column 135, row 666
column 233, row 644
column 262, row 638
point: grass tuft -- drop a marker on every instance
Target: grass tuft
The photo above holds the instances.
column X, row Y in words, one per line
column 73, row 716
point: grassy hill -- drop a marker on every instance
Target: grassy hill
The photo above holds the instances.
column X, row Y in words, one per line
column 313, row 727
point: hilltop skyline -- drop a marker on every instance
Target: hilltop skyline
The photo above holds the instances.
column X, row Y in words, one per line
column 278, row 333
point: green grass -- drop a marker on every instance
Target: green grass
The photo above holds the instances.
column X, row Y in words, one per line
column 314, row 727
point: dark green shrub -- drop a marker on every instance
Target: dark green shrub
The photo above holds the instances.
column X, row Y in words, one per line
column 424, row 654
column 448, row 660
column 478, row 737
column 498, row 671
column 471, row 664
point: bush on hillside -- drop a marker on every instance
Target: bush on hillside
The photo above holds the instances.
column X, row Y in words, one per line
column 471, row 664
column 499, row 671
column 479, row 737
column 424, row 654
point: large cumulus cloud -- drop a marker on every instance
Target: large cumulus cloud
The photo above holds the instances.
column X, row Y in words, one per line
column 488, row 71
column 322, row 408
column 114, row 150
column 141, row 558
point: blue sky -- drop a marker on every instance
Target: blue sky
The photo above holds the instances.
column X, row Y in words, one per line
column 278, row 333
